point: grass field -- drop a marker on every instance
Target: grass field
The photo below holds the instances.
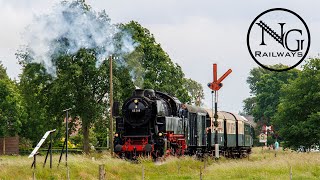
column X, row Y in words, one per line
column 259, row 165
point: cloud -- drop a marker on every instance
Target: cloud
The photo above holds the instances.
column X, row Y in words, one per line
column 194, row 33
column 198, row 42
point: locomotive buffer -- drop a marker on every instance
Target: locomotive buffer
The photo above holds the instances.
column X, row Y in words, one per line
column 215, row 86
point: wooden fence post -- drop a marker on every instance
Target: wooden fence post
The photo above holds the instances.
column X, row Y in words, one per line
column 68, row 174
column 142, row 172
column 101, row 172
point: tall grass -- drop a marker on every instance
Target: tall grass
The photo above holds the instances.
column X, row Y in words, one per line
column 259, row 165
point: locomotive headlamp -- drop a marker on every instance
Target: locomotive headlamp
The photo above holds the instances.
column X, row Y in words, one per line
column 160, row 134
column 135, row 101
column 116, row 135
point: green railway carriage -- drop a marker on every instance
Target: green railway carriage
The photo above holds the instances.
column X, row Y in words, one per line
column 197, row 121
column 234, row 132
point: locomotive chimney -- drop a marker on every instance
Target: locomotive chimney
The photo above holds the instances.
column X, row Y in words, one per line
column 139, row 92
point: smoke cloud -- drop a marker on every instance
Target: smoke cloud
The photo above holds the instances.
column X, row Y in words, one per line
column 71, row 26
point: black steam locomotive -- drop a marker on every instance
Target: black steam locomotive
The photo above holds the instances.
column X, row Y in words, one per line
column 157, row 124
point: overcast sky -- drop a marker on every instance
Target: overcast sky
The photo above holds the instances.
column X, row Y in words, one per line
column 195, row 34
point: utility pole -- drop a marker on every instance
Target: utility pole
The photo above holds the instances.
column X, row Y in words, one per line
column 111, row 106
column 215, row 86
column 67, row 134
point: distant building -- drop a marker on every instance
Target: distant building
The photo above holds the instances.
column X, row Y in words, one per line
column 250, row 120
column 74, row 125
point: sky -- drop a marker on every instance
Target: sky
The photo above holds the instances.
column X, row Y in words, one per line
column 195, row 34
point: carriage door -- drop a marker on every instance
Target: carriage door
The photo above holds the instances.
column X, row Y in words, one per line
column 201, row 130
column 193, row 135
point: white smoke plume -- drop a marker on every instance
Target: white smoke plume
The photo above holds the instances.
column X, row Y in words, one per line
column 71, row 26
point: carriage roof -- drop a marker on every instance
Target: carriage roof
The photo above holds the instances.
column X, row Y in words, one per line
column 226, row 115
column 195, row 109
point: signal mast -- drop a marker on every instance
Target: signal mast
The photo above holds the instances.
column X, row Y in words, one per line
column 215, row 86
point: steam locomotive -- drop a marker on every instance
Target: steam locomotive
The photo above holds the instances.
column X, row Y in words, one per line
column 157, row 124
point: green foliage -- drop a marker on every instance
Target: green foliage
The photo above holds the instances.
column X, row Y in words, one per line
column 3, row 72
column 82, row 85
column 77, row 139
column 24, row 144
column 249, row 104
column 101, row 129
column 35, row 86
column 12, row 113
column 160, row 73
column 270, row 140
column 266, row 85
column 195, row 91
column 298, row 115
column 254, row 78
column 79, row 83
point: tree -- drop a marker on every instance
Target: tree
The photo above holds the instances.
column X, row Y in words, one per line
column 12, row 113
column 255, row 77
column 82, row 86
column 160, row 73
column 11, row 110
column 265, row 88
column 266, row 85
column 3, row 72
column 298, row 117
column 79, row 84
column 71, row 72
column 195, row 91
column 35, row 86
column 80, row 79
column 249, row 105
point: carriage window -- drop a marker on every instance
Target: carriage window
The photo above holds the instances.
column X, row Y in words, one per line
column 233, row 127
column 220, row 127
